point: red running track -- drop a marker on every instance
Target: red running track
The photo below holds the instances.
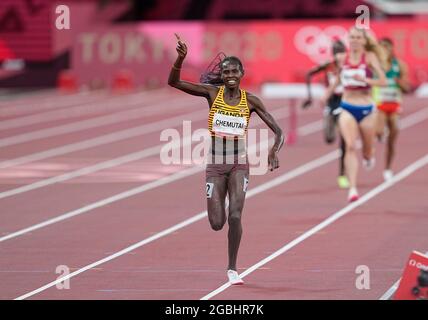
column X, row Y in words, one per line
column 190, row 262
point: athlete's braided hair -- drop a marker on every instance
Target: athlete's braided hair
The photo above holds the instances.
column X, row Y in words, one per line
column 212, row 74
column 338, row 46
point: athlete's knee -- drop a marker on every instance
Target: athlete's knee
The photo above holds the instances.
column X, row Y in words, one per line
column 330, row 133
column 342, row 146
column 351, row 147
column 393, row 133
column 216, row 224
column 216, row 227
column 234, row 218
column 391, row 143
column 217, row 221
column 329, row 139
column 368, row 153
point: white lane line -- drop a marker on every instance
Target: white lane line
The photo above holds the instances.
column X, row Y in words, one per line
column 406, row 122
column 13, row 96
column 123, row 195
column 105, row 139
column 79, row 125
column 279, row 180
column 61, row 101
column 78, row 109
column 331, row 156
column 390, row 292
column 55, row 104
column 134, row 156
column 310, row 128
column 52, row 100
column 420, row 163
column 84, row 171
column 81, row 109
column 413, row 118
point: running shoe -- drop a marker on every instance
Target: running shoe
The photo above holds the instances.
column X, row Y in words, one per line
column 343, row 182
column 369, row 164
column 234, row 278
column 353, row 195
column 387, row 175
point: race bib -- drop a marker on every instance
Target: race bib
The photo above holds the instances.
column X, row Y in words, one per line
column 347, row 78
column 245, row 184
column 331, row 78
column 228, row 125
column 209, row 189
column 389, row 94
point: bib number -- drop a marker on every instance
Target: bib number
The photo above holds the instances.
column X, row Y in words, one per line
column 228, row 125
column 347, row 78
column 389, row 94
column 210, row 188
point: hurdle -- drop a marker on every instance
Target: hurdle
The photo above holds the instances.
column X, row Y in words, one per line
column 422, row 90
column 292, row 93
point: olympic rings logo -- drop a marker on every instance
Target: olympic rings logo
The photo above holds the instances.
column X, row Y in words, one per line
column 316, row 42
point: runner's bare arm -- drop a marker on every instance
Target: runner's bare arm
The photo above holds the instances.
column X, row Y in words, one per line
column 196, row 89
column 403, row 81
column 257, row 105
column 329, row 91
column 308, row 78
column 375, row 64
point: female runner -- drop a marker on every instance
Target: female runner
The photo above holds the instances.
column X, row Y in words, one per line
column 332, row 109
column 388, row 100
column 357, row 118
column 227, row 173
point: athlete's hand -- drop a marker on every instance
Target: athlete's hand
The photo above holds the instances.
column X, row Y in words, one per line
column 273, row 161
column 359, row 77
column 306, row 104
column 324, row 99
column 181, row 47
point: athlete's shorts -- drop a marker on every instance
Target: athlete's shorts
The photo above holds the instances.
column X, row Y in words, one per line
column 219, row 170
column 389, row 107
column 358, row 112
column 225, row 168
column 226, row 156
column 333, row 106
